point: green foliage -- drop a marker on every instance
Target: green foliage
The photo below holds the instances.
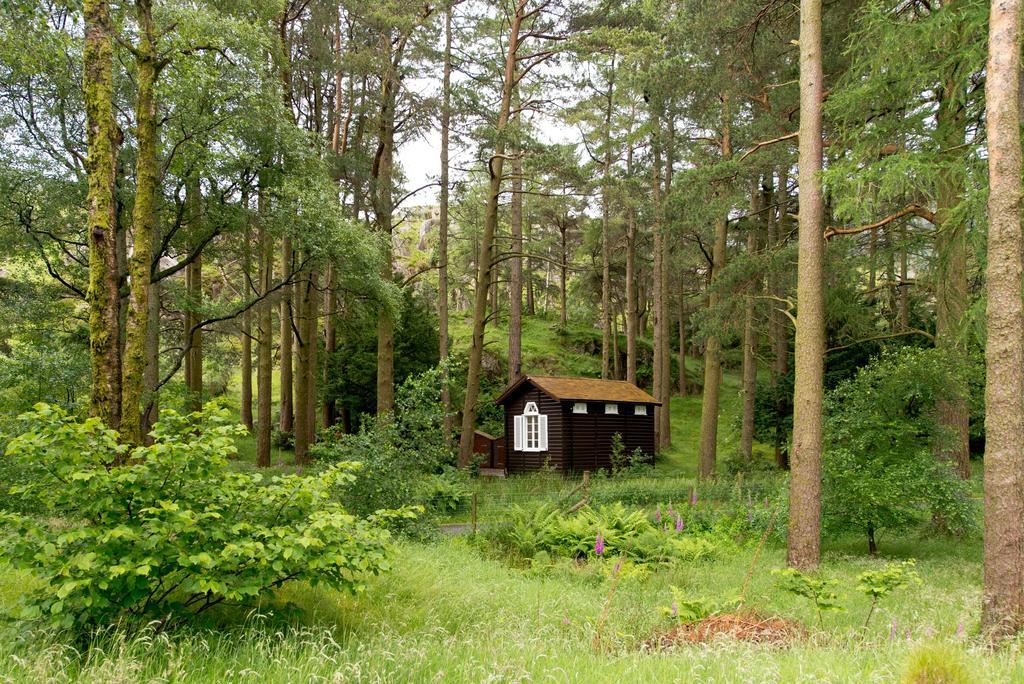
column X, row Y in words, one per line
column 687, row 609
column 352, row 370
column 401, row 454
column 877, row 584
column 626, row 532
column 819, row 591
column 168, row 530
column 881, row 469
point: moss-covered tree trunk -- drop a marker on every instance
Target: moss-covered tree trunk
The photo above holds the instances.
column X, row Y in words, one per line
column 143, row 226
column 805, row 478
column 1003, row 604
column 101, row 162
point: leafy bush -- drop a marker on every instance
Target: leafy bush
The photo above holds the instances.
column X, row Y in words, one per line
column 402, row 454
column 883, row 466
column 168, row 530
column 818, row 590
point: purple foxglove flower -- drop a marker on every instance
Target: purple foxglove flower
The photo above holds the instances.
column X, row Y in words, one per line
column 670, row 511
column 618, row 567
column 675, row 609
column 693, row 496
column 892, row 631
column 960, row 630
column 679, row 523
column 657, row 514
column 766, row 504
column 750, row 516
column 599, row 544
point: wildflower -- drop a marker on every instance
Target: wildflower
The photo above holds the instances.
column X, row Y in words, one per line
column 693, row 496
column 670, row 511
column 892, row 631
column 618, row 567
column 675, row 609
column 599, row 544
column 657, row 514
column 766, row 504
column 565, row 621
column 750, row 516
column 960, row 630
column 679, row 523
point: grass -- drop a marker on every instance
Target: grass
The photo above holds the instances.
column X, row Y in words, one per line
column 447, row 614
column 451, row 612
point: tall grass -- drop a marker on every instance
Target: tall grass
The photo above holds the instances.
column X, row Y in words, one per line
column 446, row 614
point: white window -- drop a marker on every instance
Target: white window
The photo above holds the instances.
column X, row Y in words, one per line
column 611, row 409
column 579, row 407
column 640, row 410
column 530, row 430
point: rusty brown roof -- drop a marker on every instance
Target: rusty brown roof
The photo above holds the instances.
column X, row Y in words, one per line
column 584, row 389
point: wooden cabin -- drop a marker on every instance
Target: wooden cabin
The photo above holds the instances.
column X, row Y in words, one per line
column 568, row 423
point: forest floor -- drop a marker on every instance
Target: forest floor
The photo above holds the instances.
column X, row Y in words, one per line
column 454, row 610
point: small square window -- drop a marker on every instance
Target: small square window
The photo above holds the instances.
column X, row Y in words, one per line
column 640, row 410
column 611, row 409
column 579, row 407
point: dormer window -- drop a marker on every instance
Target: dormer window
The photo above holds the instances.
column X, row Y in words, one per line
column 611, row 409
column 640, row 410
column 579, row 407
column 530, row 430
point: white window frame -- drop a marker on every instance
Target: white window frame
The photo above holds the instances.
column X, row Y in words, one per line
column 611, row 409
column 530, row 430
column 579, row 407
column 640, row 410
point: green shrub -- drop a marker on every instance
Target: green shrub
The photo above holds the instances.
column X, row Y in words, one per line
column 883, row 468
column 168, row 530
column 402, row 454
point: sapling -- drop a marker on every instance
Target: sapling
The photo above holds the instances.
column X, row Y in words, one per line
column 880, row 583
column 819, row 591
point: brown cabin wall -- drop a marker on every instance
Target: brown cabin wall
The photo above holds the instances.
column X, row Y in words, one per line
column 588, row 436
column 524, row 461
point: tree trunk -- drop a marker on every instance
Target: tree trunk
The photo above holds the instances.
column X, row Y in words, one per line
column 658, row 279
column 631, row 295
column 606, row 271
column 708, row 448
column 486, row 255
column 304, row 297
column 245, row 410
column 101, row 164
column 563, row 277
column 265, row 341
column 778, row 329
column 151, row 380
column 665, row 357
column 805, row 478
column 749, row 344
column 683, row 384
column 515, row 294
column 330, row 409
column 143, row 227
column 194, row 285
column 1003, row 604
column 286, row 403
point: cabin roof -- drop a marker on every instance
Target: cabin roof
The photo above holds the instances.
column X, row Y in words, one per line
column 582, row 389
